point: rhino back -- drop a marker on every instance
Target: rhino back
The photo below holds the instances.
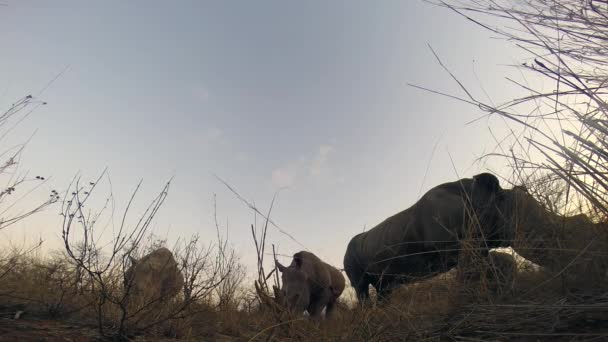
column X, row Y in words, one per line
column 386, row 239
column 354, row 263
column 337, row 280
column 156, row 274
column 437, row 216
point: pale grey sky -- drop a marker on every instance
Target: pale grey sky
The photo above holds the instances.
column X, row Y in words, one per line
column 311, row 96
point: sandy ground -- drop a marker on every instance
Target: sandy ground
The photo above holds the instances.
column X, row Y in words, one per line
column 44, row 330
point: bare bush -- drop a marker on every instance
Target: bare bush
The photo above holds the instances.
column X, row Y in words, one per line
column 9, row 197
column 101, row 262
column 19, row 186
column 97, row 271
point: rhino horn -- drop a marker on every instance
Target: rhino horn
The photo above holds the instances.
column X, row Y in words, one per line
column 281, row 268
column 133, row 260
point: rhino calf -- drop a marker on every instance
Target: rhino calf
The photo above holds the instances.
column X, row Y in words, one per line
column 154, row 277
column 309, row 284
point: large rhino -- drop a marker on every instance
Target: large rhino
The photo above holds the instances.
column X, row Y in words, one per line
column 154, row 278
column 425, row 239
column 309, row 284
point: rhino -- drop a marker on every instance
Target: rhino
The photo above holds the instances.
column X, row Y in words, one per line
column 309, row 284
column 154, row 277
column 425, row 239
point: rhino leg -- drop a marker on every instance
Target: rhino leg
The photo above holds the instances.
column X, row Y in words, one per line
column 362, row 290
column 361, row 285
column 385, row 284
column 385, row 289
column 358, row 279
column 318, row 302
column 331, row 305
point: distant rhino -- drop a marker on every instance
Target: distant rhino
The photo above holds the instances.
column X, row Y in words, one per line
column 425, row 239
column 155, row 277
column 309, row 284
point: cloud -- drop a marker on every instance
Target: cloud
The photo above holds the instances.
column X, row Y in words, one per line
column 208, row 137
column 304, row 168
column 213, row 133
column 282, row 177
column 200, row 93
column 286, row 176
column 242, row 157
column 319, row 162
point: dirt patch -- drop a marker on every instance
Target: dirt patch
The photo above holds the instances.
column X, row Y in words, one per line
column 44, row 330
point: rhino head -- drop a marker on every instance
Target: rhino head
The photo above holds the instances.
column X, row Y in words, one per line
column 296, row 288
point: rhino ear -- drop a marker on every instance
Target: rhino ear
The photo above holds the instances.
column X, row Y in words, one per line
column 487, row 181
column 521, row 188
column 297, row 260
column 133, row 260
column 281, row 268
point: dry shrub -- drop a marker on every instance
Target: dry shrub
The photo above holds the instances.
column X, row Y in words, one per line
column 19, row 186
column 211, row 270
column 46, row 287
column 51, row 288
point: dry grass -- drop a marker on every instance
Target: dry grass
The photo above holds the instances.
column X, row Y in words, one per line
column 50, row 289
column 504, row 300
column 443, row 308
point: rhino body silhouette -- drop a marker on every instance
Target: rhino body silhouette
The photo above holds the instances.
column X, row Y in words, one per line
column 425, row 239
